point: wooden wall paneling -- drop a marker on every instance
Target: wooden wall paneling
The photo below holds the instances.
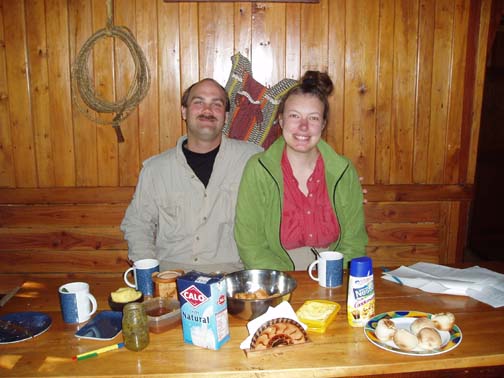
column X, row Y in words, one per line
column 268, row 42
column 275, row 48
column 441, row 82
column 419, row 193
column 479, row 82
column 405, row 233
column 314, row 36
column 463, row 229
column 7, row 177
column 361, row 54
column 124, row 15
column 169, row 85
column 392, row 256
column 62, row 215
column 261, row 66
column 243, row 28
column 21, row 130
column 86, row 159
column 293, row 41
column 148, row 109
column 469, row 85
column 97, row 195
column 402, row 212
column 189, row 44
column 426, row 19
column 39, row 89
column 445, row 225
column 408, row 81
column 216, row 44
column 453, row 255
column 81, row 195
column 336, row 69
column 55, row 238
column 456, row 96
column 64, row 262
column 62, row 136
column 403, row 101
column 384, row 92
column 104, row 78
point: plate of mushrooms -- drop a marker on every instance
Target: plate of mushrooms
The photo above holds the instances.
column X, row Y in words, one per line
column 414, row 333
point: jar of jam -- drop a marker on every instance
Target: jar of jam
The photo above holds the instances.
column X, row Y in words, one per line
column 135, row 327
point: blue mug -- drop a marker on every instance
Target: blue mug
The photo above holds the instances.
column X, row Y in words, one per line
column 77, row 304
column 142, row 272
column 330, row 269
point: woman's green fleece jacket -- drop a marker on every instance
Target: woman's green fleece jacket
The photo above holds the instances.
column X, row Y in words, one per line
column 260, row 202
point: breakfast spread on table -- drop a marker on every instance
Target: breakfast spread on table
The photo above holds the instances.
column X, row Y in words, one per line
column 202, row 309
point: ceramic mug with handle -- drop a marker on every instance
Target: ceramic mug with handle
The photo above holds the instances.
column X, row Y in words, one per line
column 330, row 269
column 77, row 303
column 142, row 272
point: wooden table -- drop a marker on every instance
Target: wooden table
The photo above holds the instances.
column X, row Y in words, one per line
column 341, row 351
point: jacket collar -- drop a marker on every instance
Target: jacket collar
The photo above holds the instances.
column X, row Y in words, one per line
column 335, row 164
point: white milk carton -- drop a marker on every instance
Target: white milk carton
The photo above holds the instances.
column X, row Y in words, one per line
column 203, row 307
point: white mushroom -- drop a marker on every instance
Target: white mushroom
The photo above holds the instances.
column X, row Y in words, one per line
column 385, row 329
column 444, row 321
column 421, row 323
column 405, row 340
column 429, row 339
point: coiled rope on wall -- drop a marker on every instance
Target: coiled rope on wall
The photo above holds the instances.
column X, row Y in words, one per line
column 82, row 82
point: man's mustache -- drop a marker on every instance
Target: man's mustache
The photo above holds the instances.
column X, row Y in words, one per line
column 207, row 117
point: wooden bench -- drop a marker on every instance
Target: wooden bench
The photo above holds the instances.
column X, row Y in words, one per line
column 71, row 230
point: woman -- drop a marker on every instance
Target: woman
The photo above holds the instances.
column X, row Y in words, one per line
column 299, row 193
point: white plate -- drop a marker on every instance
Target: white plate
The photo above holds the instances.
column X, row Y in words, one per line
column 403, row 319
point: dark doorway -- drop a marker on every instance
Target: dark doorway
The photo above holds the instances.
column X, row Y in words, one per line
column 486, row 226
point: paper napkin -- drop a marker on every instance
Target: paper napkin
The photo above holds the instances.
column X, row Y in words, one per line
column 479, row 283
column 283, row 310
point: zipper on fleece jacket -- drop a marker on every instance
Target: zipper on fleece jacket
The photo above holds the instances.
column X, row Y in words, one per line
column 281, row 201
column 334, row 202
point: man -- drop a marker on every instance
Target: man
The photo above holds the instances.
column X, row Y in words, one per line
column 183, row 209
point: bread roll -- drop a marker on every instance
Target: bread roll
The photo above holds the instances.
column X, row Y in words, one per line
column 405, row 340
column 421, row 323
column 429, row 339
column 444, row 321
column 385, row 330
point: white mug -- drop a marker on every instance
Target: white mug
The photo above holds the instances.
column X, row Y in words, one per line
column 330, row 269
column 142, row 271
column 77, row 304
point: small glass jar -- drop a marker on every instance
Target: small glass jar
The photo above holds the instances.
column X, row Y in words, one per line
column 135, row 327
column 165, row 283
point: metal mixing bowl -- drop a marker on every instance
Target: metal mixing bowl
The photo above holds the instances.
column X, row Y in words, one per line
column 278, row 285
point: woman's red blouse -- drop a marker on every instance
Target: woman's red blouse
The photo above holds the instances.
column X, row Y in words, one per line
column 307, row 220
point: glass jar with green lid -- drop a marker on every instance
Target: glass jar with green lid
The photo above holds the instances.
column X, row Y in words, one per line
column 135, row 327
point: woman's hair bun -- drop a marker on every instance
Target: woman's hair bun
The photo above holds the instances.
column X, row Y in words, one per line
column 319, row 80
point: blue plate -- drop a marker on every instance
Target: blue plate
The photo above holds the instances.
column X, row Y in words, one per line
column 104, row 326
column 21, row 326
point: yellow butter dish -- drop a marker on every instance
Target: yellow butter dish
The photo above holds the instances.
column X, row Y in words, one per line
column 317, row 314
